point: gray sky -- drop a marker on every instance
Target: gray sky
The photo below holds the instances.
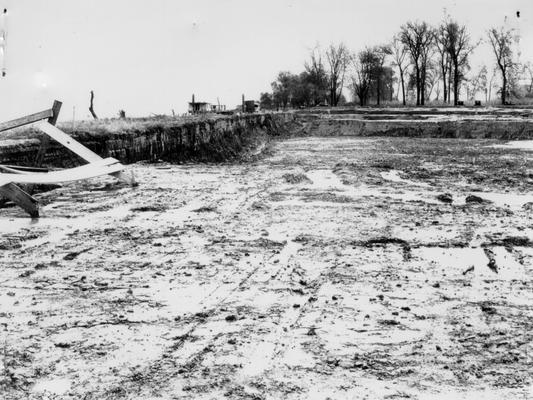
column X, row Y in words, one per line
column 149, row 57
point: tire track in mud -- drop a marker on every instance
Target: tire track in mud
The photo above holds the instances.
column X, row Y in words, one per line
column 288, row 322
column 237, row 204
column 171, row 365
column 88, row 222
column 168, row 366
column 284, row 339
column 266, row 267
column 198, row 339
column 60, row 228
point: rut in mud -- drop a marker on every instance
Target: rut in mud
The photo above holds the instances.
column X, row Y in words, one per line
column 331, row 268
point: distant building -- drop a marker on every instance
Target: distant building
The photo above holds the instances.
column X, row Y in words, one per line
column 199, row 107
column 251, row 106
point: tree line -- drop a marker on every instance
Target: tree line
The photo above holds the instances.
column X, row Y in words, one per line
column 422, row 61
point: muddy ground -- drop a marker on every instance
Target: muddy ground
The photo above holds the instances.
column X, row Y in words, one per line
column 330, row 268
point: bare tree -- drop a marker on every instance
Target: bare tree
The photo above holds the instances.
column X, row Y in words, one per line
column 380, row 53
column 459, row 48
column 418, row 39
column 361, row 80
column 442, row 44
column 317, row 76
column 399, row 57
column 409, row 39
column 91, row 108
column 338, row 58
column 427, row 51
column 501, row 41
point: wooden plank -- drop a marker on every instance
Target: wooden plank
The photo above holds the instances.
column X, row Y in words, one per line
column 106, row 166
column 24, row 168
column 69, row 143
column 10, row 170
column 29, row 119
column 97, row 165
column 56, row 107
column 20, row 198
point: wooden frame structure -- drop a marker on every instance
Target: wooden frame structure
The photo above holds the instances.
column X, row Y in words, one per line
column 13, row 175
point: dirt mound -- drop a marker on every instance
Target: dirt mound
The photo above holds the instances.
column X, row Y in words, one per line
column 476, row 199
column 296, row 178
column 511, row 241
column 445, row 198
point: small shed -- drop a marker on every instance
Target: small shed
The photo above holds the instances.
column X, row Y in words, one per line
column 251, row 106
column 199, row 107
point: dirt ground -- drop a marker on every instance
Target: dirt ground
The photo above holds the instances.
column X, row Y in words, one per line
column 330, row 268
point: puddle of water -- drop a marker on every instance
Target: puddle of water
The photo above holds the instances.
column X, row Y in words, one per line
column 517, row 144
column 508, row 266
column 125, row 347
column 178, row 300
column 288, row 251
column 259, row 358
column 425, row 234
column 394, row 176
column 327, row 180
column 295, row 356
column 12, row 224
column 279, row 233
column 324, row 179
column 457, row 261
column 511, row 200
column 59, row 227
column 450, row 392
column 500, row 199
column 261, row 302
column 55, row 386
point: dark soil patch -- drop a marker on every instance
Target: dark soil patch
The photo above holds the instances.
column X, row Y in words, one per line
column 296, row 178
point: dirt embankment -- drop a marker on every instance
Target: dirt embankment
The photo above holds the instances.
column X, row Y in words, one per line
column 168, row 139
column 507, row 127
column 226, row 138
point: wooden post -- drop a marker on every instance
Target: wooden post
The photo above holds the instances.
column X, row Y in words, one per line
column 29, row 119
column 56, row 107
column 71, row 144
